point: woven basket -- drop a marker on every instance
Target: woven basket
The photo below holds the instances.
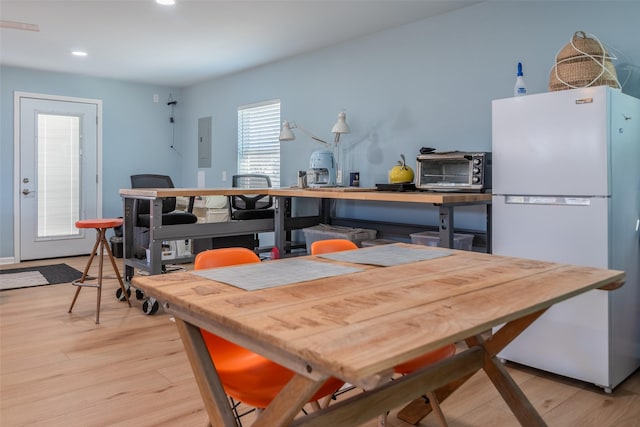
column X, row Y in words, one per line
column 582, row 62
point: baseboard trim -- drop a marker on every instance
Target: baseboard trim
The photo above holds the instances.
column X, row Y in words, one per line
column 7, row 260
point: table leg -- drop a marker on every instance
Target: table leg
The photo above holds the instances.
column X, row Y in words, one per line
column 289, row 402
column 129, row 214
column 505, row 335
column 155, row 245
column 278, row 223
column 415, row 411
column 371, row 403
column 419, row 408
column 326, row 207
column 506, row 386
column 211, row 389
column 512, row 394
column 489, row 228
column 446, row 226
column 115, row 269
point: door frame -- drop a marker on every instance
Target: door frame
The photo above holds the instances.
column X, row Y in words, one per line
column 17, row 96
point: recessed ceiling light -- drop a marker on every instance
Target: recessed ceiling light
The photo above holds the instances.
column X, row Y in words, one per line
column 79, row 53
column 166, row 2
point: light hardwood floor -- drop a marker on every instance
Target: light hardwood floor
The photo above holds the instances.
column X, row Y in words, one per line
column 61, row 369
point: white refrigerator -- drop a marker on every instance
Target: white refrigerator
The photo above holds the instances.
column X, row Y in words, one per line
column 566, row 188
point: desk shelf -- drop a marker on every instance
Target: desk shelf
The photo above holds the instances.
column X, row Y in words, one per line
column 283, row 222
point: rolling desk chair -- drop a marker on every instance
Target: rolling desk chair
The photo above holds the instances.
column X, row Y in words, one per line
column 169, row 214
column 255, row 206
column 242, row 207
column 141, row 213
column 248, row 207
column 142, row 210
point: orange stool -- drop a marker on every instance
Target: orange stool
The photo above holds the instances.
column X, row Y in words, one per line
column 101, row 226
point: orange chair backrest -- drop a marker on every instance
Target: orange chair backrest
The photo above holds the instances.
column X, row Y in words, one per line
column 331, row 245
column 224, row 257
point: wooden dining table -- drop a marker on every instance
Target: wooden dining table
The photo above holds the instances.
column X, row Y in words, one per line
column 361, row 314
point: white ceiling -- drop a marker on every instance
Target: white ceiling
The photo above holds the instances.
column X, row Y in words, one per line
column 139, row 40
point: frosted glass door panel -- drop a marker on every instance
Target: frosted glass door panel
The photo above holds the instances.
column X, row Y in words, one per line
column 58, row 175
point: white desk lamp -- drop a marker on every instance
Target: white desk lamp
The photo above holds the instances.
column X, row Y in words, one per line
column 321, row 160
column 341, row 126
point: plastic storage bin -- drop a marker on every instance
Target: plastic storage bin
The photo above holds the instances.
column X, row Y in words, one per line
column 377, row 242
column 324, row 232
column 432, row 238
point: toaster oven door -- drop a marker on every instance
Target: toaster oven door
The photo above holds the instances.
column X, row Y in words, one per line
column 451, row 173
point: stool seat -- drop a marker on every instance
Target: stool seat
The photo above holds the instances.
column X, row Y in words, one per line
column 101, row 225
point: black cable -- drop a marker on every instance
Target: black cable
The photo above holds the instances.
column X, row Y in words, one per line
column 172, row 103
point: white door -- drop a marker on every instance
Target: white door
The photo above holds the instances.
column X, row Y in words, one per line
column 58, row 145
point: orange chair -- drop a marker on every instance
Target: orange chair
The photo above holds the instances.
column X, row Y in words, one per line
column 247, row 376
column 426, row 360
column 336, row 245
column 331, row 245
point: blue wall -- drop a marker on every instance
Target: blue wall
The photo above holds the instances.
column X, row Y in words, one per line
column 424, row 84
column 136, row 136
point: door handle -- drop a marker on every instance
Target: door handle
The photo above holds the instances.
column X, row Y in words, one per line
column 26, row 191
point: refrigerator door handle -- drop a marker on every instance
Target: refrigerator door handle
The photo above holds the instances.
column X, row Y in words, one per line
column 548, row 200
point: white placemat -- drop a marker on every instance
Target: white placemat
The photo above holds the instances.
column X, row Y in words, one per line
column 387, row 255
column 269, row 274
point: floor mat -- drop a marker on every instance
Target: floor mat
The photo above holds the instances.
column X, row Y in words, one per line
column 37, row 276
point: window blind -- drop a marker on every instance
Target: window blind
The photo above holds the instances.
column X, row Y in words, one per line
column 258, row 144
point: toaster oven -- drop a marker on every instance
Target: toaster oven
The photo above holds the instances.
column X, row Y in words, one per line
column 454, row 171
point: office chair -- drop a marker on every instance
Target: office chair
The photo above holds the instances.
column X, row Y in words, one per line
column 335, row 245
column 251, row 206
column 247, row 376
column 248, row 207
column 169, row 215
column 141, row 212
